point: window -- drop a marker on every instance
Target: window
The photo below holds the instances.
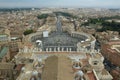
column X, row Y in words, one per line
column 95, row 62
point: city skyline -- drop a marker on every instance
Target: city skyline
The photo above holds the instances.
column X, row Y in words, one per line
column 60, row 3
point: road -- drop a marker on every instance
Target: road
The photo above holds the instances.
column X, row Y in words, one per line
column 59, row 25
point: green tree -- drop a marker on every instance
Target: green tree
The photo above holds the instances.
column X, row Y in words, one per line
column 28, row 32
column 42, row 16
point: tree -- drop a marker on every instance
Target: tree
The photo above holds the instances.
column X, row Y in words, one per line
column 42, row 16
column 28, row 32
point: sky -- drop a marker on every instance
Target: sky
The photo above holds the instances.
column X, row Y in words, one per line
column 60, row 3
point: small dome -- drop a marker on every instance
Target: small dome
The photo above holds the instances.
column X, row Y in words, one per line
column 77, row 60
column 39, row 60
column 82, row 41
column 23, row 68
column 80, row 73
column 34, row 73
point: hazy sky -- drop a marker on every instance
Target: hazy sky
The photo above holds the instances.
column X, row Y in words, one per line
column 61, row 3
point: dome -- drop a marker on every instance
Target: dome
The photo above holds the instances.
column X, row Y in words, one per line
column 34, row 73
column 80, row 73
column 82, row 41
column 77, row 60
column 39, row 60
column 23, row 68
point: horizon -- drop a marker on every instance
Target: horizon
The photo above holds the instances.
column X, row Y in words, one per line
column 55, row 8
column 60, row 4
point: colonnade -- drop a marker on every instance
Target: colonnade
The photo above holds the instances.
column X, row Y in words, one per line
column 77, row 35
column 58, row 49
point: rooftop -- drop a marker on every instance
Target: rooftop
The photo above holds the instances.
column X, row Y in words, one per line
column 3, row 52
column 6, row 66
column 118, row 48
column 58, row 68
column 91, row 76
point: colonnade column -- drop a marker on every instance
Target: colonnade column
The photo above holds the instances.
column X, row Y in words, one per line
column 70, row 49
column 67, row 49
column 62, row 49
column 54, row 49
column 47, row 49
column 58, row 49
column 50, row 49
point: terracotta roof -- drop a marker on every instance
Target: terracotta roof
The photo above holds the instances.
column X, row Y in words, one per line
column 110, row 53
column 116, row 72
column 19, row 66
column 114, row 42
column 91, row 76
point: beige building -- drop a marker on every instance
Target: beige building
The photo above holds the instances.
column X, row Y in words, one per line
column 6, row 71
